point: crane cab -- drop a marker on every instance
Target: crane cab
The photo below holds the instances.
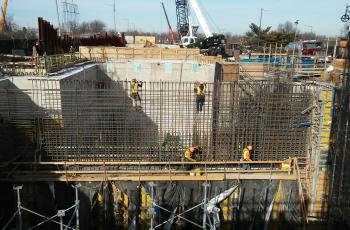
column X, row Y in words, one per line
column 188, row 40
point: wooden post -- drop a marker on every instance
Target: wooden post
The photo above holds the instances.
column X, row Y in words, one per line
column 268, row 67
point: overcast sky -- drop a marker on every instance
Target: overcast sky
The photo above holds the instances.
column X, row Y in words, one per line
column 223, row 15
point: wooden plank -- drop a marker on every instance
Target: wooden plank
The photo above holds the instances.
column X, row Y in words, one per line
column 230, row 72
column 156, row 53
column 144, row 163
column 208, row 177
column 102, row 171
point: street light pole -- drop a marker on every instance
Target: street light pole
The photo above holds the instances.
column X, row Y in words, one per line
column 295, row 44
column 296, row 29
column 261, row 14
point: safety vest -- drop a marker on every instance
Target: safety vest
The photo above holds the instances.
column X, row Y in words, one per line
column 246, row 154
column 200, row 92
column 188, row 155
column 134, row 87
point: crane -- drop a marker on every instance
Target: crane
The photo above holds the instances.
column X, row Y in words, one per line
column 203, row 23
column 171, row 35
column 3, row 18
column 182, row 13
column 212, row 44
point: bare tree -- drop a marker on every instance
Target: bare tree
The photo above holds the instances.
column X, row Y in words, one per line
column 83, row 28
column 286, row 28
column 97, row 26
column 14, row 31
column 345, row 30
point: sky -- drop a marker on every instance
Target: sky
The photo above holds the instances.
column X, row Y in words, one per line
column 234, row 16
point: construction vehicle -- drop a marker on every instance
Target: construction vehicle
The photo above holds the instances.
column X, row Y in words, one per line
column 171, row 35
column 3, row 18
column 212, row 45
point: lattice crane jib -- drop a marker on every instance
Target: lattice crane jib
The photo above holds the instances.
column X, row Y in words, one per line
column 182, row 13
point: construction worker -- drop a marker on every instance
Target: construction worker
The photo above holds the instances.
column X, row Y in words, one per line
column 191, row 154
column 36, row 53
column 134, row 88
column 246, row 156
column 200, row 92
column 72, row 53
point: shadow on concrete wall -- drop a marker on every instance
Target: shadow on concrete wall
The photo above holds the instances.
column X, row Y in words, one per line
column 20, row 122
column 100, row 123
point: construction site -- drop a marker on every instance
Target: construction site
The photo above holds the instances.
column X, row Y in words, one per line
column 113, row 135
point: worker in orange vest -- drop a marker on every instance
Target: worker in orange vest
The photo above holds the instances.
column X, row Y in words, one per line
column 246, row 156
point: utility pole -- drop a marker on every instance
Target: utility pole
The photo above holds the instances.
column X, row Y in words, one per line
column 261, row 17
column 114, row 15
column 311, row 29
column 114, row 12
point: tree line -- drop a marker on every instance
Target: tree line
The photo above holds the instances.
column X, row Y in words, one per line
column 283, row 34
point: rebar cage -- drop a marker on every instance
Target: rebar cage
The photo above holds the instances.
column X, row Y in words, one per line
column 78, row 120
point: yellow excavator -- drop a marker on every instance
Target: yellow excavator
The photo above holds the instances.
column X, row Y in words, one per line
column 3, row 18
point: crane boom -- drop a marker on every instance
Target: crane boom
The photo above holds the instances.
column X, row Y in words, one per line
column 203, row 23
column 182, row 13
column 58, row 17
column 170, row 32
column 3, row 18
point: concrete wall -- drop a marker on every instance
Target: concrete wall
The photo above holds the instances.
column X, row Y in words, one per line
column 171, row 105
column 155, row 71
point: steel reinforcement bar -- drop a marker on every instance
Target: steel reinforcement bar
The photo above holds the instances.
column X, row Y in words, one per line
column 77, row 120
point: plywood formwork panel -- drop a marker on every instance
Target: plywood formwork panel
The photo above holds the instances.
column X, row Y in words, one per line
column 120, row 53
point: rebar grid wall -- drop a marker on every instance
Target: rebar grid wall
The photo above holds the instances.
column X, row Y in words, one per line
column 266, row 114
column 95, row 120
column 339, row 157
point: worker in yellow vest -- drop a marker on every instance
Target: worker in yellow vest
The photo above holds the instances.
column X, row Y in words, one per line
column 200, row 92
column 192, row 154
column 134, row 88
column 247, row 156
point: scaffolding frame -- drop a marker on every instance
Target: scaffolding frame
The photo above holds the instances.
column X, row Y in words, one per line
column 60, row 213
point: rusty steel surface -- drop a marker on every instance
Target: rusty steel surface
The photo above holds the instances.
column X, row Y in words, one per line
column 95, row 121
column 52, row 43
